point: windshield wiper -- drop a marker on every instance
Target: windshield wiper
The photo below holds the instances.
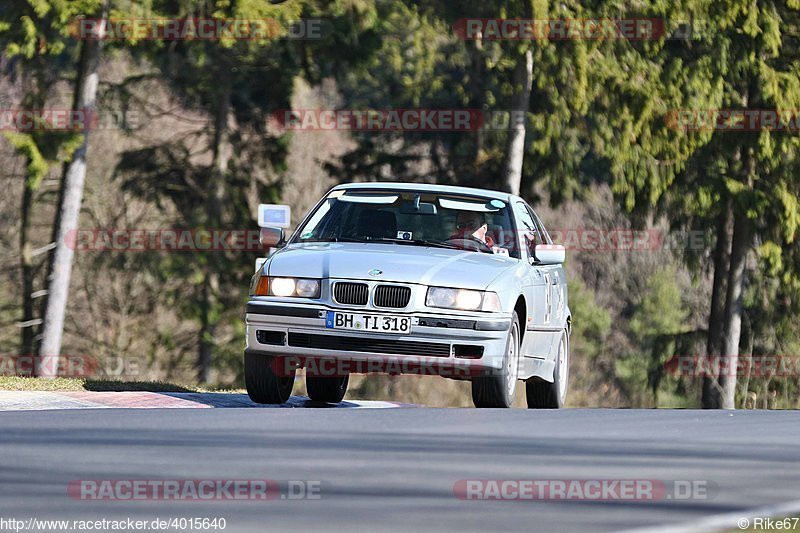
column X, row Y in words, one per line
column 415, row 242
column 438, row 244
column 345, row 239
column 393, row 240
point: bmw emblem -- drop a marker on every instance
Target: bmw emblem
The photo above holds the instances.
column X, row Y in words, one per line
column 375, row 272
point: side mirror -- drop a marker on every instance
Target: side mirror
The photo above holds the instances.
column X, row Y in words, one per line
column 271, row 237
column 550, row 254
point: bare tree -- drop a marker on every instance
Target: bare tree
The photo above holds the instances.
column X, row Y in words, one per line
column 515, row 149
column 69, row 207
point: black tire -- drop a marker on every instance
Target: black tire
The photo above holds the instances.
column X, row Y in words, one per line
column 492, row 390
column 542, row 394
column 263, row 384
column 327, row 389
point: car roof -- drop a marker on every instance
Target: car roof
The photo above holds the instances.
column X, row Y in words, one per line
column 425, row 187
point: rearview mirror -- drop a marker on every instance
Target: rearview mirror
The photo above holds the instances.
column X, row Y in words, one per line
column 550, row 254
column 415, row 207
column 271, row 237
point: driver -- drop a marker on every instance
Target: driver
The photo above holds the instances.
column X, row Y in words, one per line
column 472, row 225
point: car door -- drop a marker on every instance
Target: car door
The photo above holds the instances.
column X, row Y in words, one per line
column 536, row 287
column 555, row 277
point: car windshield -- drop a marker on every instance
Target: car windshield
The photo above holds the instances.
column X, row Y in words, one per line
column 412, row 218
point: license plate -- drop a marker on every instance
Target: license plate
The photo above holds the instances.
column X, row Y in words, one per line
column 374, row 323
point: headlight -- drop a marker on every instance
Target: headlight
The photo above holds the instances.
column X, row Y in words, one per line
column 465, row 299
column 307, row 288
column 287, row 287
column 283, row 286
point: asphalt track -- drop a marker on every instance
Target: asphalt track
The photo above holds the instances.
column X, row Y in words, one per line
column 399, row 469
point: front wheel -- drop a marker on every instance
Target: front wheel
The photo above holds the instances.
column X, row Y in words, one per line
column 264, row 385
column 327, row 389
column 545, row 395
column 497, row 388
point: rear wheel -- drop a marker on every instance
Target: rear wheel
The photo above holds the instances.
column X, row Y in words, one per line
column 497, row 388
column 327, row 389
column 264, row 384
column 545, row 395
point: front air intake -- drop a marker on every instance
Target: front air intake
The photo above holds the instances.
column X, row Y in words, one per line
column 351, row 293
column 392, row 296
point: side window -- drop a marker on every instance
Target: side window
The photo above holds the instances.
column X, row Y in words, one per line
column 542, row 233
column 528, row 231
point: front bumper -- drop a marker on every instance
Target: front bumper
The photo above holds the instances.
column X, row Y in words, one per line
column 444, row 344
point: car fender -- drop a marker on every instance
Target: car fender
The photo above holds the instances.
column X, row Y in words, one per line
column 509, row 286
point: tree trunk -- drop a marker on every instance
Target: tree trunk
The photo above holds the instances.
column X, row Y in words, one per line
column 515, row 148
column 733, row 308
column 28, row 333
column 70, row 198
column 216, row 192
column 207, row 325
column 712, row 393
column 478, row 80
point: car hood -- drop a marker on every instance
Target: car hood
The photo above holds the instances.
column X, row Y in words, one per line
column 397, row 262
